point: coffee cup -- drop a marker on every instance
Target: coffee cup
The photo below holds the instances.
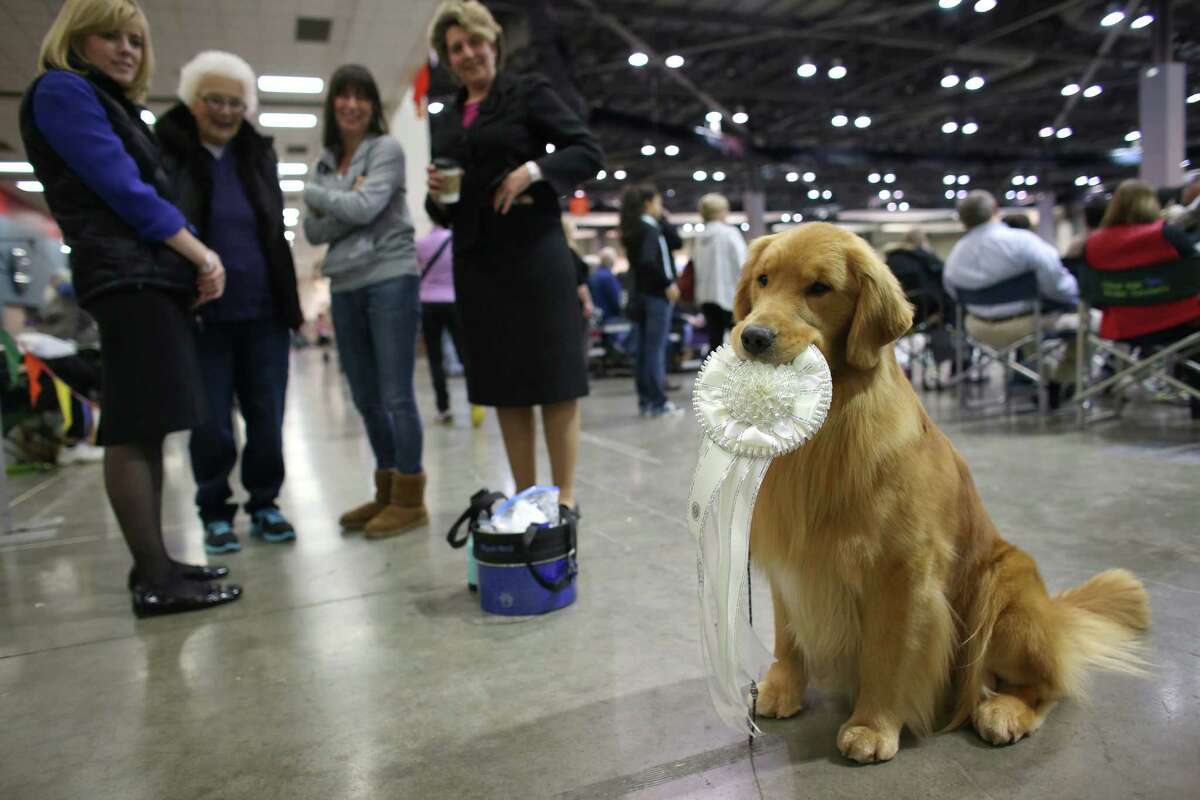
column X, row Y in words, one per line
column 451, row 174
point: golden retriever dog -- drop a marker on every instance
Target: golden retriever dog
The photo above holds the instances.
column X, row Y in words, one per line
column 888, row 578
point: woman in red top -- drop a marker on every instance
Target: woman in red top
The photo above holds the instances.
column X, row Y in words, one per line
column 1133, row 234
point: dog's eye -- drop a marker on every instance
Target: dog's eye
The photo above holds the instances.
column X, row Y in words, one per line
column 762, row 280
column 817, row 289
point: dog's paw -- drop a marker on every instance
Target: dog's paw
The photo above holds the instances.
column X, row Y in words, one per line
column 867, row 745
column 781, row 694
column 1003, row 719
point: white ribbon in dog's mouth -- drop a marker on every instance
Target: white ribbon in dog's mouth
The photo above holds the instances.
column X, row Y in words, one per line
column 750, row 413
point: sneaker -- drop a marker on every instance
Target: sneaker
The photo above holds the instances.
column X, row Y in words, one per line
column 220, row 538
column 445, row 418
column 81, row 453
column 271, row 526
column 667, row 409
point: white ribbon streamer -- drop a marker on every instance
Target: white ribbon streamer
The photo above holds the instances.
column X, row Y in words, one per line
column 750, row 413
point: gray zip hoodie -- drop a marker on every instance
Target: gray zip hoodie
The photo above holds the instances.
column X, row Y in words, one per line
column 368, row 229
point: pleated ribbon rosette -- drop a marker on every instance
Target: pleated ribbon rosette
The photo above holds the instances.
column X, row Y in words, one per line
column 750, row 413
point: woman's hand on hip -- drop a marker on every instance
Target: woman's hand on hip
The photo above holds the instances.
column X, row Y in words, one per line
column 210, row 279
column 513, row 185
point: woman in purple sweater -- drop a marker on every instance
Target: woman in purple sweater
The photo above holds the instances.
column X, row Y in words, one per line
column 136, row 268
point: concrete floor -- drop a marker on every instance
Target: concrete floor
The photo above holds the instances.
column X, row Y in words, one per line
column 354, row 669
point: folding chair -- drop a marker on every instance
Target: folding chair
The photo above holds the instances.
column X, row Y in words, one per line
column 1018, row 288
column 1139, row 286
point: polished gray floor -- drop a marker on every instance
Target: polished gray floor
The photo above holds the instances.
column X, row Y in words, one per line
column 355, row 669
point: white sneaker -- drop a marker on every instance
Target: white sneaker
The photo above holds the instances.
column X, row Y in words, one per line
column 81, row 453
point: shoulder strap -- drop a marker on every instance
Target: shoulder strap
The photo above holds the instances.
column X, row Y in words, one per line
column 436, row 255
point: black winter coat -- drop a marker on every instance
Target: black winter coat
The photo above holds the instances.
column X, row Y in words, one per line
column 107, row 254
column 189, row 167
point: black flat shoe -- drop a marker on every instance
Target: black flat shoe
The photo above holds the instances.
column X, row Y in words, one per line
column 175, row 600
column 191, row 572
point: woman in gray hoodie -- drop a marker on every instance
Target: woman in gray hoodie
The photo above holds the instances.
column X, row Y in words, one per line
column 356, row 204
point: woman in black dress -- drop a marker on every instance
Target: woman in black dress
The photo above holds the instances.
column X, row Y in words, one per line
column 514, row 276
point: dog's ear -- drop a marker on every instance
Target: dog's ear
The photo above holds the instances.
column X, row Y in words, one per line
column 741, row 299
column 882, row 314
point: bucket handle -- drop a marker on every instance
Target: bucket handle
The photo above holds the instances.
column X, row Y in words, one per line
column 480, row 501
column 572, row 563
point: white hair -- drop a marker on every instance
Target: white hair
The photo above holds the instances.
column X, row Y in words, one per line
column 226, row 65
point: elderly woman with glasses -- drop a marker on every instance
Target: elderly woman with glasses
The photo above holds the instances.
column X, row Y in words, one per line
column 225, row 176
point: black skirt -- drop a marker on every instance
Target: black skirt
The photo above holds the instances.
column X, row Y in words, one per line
column 522, row 325
column 152, row 383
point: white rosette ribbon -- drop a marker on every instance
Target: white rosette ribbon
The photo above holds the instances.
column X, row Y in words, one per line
column 750, row 413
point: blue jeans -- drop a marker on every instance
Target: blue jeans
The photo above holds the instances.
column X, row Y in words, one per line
column 249, row 361
column 376, row 328
column 651, row 371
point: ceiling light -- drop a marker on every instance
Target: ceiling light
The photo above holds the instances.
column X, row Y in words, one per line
column 15, row 166
column 289, row 235
column 30, row 186
column 797, row 217
column 809, row 177
column 1093, row 91
column 276, row 120
column 874, row 177
column 740, row 117
column 1194, row 98
column 898, row 194
column 148, row 116
column 785, row 217
column 948, row 3
column 1010, row 195
column 862, row 121
column 65, row 249
column 813, row 194
column 807, row 68
column 671, row 150
column 974, row 83
column 290, row 84
column 1081, row 180
column 1018, row 180
column 839, row 120
column 950, row 79
column 1133, row 136
column 948, row 180
column 949, row 194
column 699, row 227
column 1112, row 18
column 1046, row 132
column 1063, row 133
column 1070, row 89
column 963, row 180
column 291, row 186
column 960, row 194
column 550, row 148
column 792, row 177
column 884, row 194
column 1142, row 21
column 435, row 107
column 889, row 177
column 687, row 227
column 904, row 206
column 984, row 6
column 837, row 71
column 674, row 61
column 647, row 149
column 699, row 175
column 638, row 59
column 1094, row 181
column 949, row 127
column 1021, row 195
column 745, row 226
column 713, row 116
column 718, row 176
column 1031, row 180
column 969, row 128
column 827, row 194
column 891, row 206
column 619, row 175
column 601, row 175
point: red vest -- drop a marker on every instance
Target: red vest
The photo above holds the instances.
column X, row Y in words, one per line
column 1127, row 247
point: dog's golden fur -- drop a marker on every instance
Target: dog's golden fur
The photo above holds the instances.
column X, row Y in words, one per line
column 887, row 576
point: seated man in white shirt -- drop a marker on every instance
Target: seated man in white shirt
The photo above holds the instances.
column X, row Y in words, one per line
column 990, row 253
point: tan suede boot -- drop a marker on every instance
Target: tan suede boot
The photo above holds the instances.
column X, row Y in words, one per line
column 357, row 519
column 405, row 509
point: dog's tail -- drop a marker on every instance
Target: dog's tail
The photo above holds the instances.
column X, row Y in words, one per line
column 1098, row 623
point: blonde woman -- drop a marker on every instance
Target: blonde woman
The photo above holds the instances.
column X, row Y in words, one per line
column 718, row 252
column 514, row 275
column 136, row 268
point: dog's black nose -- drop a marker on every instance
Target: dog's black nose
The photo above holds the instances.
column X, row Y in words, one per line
column 757, row 338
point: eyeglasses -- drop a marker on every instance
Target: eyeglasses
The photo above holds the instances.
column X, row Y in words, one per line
column 216, row 102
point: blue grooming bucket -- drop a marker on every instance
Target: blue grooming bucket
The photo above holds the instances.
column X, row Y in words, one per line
column 517, row 574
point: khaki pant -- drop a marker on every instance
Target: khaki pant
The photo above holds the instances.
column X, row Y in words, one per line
column 1060, row 369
